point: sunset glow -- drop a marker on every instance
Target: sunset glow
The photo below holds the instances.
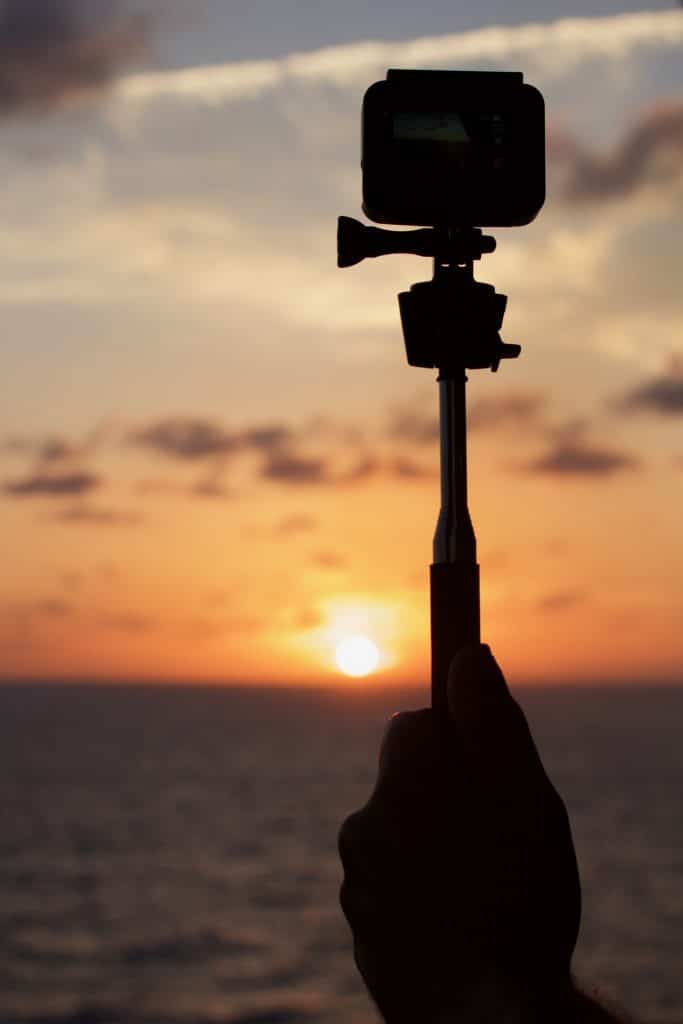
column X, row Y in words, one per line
column 357, row 656
column 216, row 465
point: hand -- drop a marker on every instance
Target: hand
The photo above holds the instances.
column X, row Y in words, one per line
column 461, row 885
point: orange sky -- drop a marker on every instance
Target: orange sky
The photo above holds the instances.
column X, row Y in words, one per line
column 214, row 460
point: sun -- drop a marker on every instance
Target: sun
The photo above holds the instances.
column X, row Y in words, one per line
column 356, row 655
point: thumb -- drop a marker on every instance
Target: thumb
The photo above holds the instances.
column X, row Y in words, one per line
column 493, row 736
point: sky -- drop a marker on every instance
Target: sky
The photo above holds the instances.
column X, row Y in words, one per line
column 215, row 463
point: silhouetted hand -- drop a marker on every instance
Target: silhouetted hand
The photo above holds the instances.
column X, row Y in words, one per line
column 461, row 885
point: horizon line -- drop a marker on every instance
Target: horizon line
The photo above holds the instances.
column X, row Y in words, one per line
column 364, row 685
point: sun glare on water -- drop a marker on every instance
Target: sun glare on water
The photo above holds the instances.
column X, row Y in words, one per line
column 356, row 656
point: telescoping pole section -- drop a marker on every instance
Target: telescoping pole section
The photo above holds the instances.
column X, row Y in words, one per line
column 454, row 575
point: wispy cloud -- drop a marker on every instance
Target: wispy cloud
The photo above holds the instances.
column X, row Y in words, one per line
column 287, row 467
column 286, row 453
column 52, row 485
column 560, row 600
column 88, row 515
column 187, row 438
column 555, row 46
column 651, row 152
column 510, row 409
column 53, row 449
column 413, row 425
column 580, row 457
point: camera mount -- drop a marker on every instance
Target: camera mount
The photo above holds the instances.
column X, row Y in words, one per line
column 432, row 311
column 451, row 323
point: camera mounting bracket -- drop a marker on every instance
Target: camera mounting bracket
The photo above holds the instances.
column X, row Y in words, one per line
column 447, row 245
column 451, row 322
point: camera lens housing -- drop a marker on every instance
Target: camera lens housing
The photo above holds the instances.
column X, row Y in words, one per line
column 456, row 148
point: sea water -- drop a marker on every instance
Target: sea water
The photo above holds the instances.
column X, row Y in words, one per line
column 167, row 855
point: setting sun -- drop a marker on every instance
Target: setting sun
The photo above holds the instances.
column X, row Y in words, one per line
column 357, row 656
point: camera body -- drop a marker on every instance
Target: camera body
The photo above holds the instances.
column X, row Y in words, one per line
column 453, row 148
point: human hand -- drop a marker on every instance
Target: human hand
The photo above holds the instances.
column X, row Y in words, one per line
column 461, row 886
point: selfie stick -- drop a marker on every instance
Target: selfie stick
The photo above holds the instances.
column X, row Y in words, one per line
column 450, row 323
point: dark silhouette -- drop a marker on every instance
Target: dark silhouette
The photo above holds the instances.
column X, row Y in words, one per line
column 460, row 880
column 452, row 324
column 449, row 149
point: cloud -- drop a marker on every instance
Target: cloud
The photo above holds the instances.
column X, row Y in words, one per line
column 283, row 448
column 569, row 453
column 153, row 178
column 47, row 450
column 287, row 467
column 291, row 525
column 51, row 450
column 577, row 456
column 209, row 488
column 556, row 47
column 186, row 438
column 266, row 438
column 413, row 426
column 512, row 409
column 56, row 449
column 52, row 485
column 27, row 615
column 127, row 622
column 191, row 438
column 408, row 469
column 560, row 600
column 662, row 394
column 86, row 515
column 651, row 152
column 337, row 467
column 52, row 51
column 364, row 468
column 51, row 608
column 329, row 560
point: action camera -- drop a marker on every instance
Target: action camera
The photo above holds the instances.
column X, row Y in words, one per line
column 453, row 148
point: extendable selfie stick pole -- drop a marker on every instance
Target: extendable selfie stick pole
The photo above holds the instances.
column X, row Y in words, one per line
column 454, row 573
column 450, row 323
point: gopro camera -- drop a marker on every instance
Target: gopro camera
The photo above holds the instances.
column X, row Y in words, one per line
column 453, row 149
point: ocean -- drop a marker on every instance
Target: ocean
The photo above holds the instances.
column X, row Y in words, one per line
column 168, row 855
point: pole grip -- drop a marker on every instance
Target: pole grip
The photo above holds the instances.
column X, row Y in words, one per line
column 454, row 594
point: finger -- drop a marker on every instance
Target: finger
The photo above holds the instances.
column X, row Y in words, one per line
column 407, row 738
column 409, row 753
column 494, row 740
